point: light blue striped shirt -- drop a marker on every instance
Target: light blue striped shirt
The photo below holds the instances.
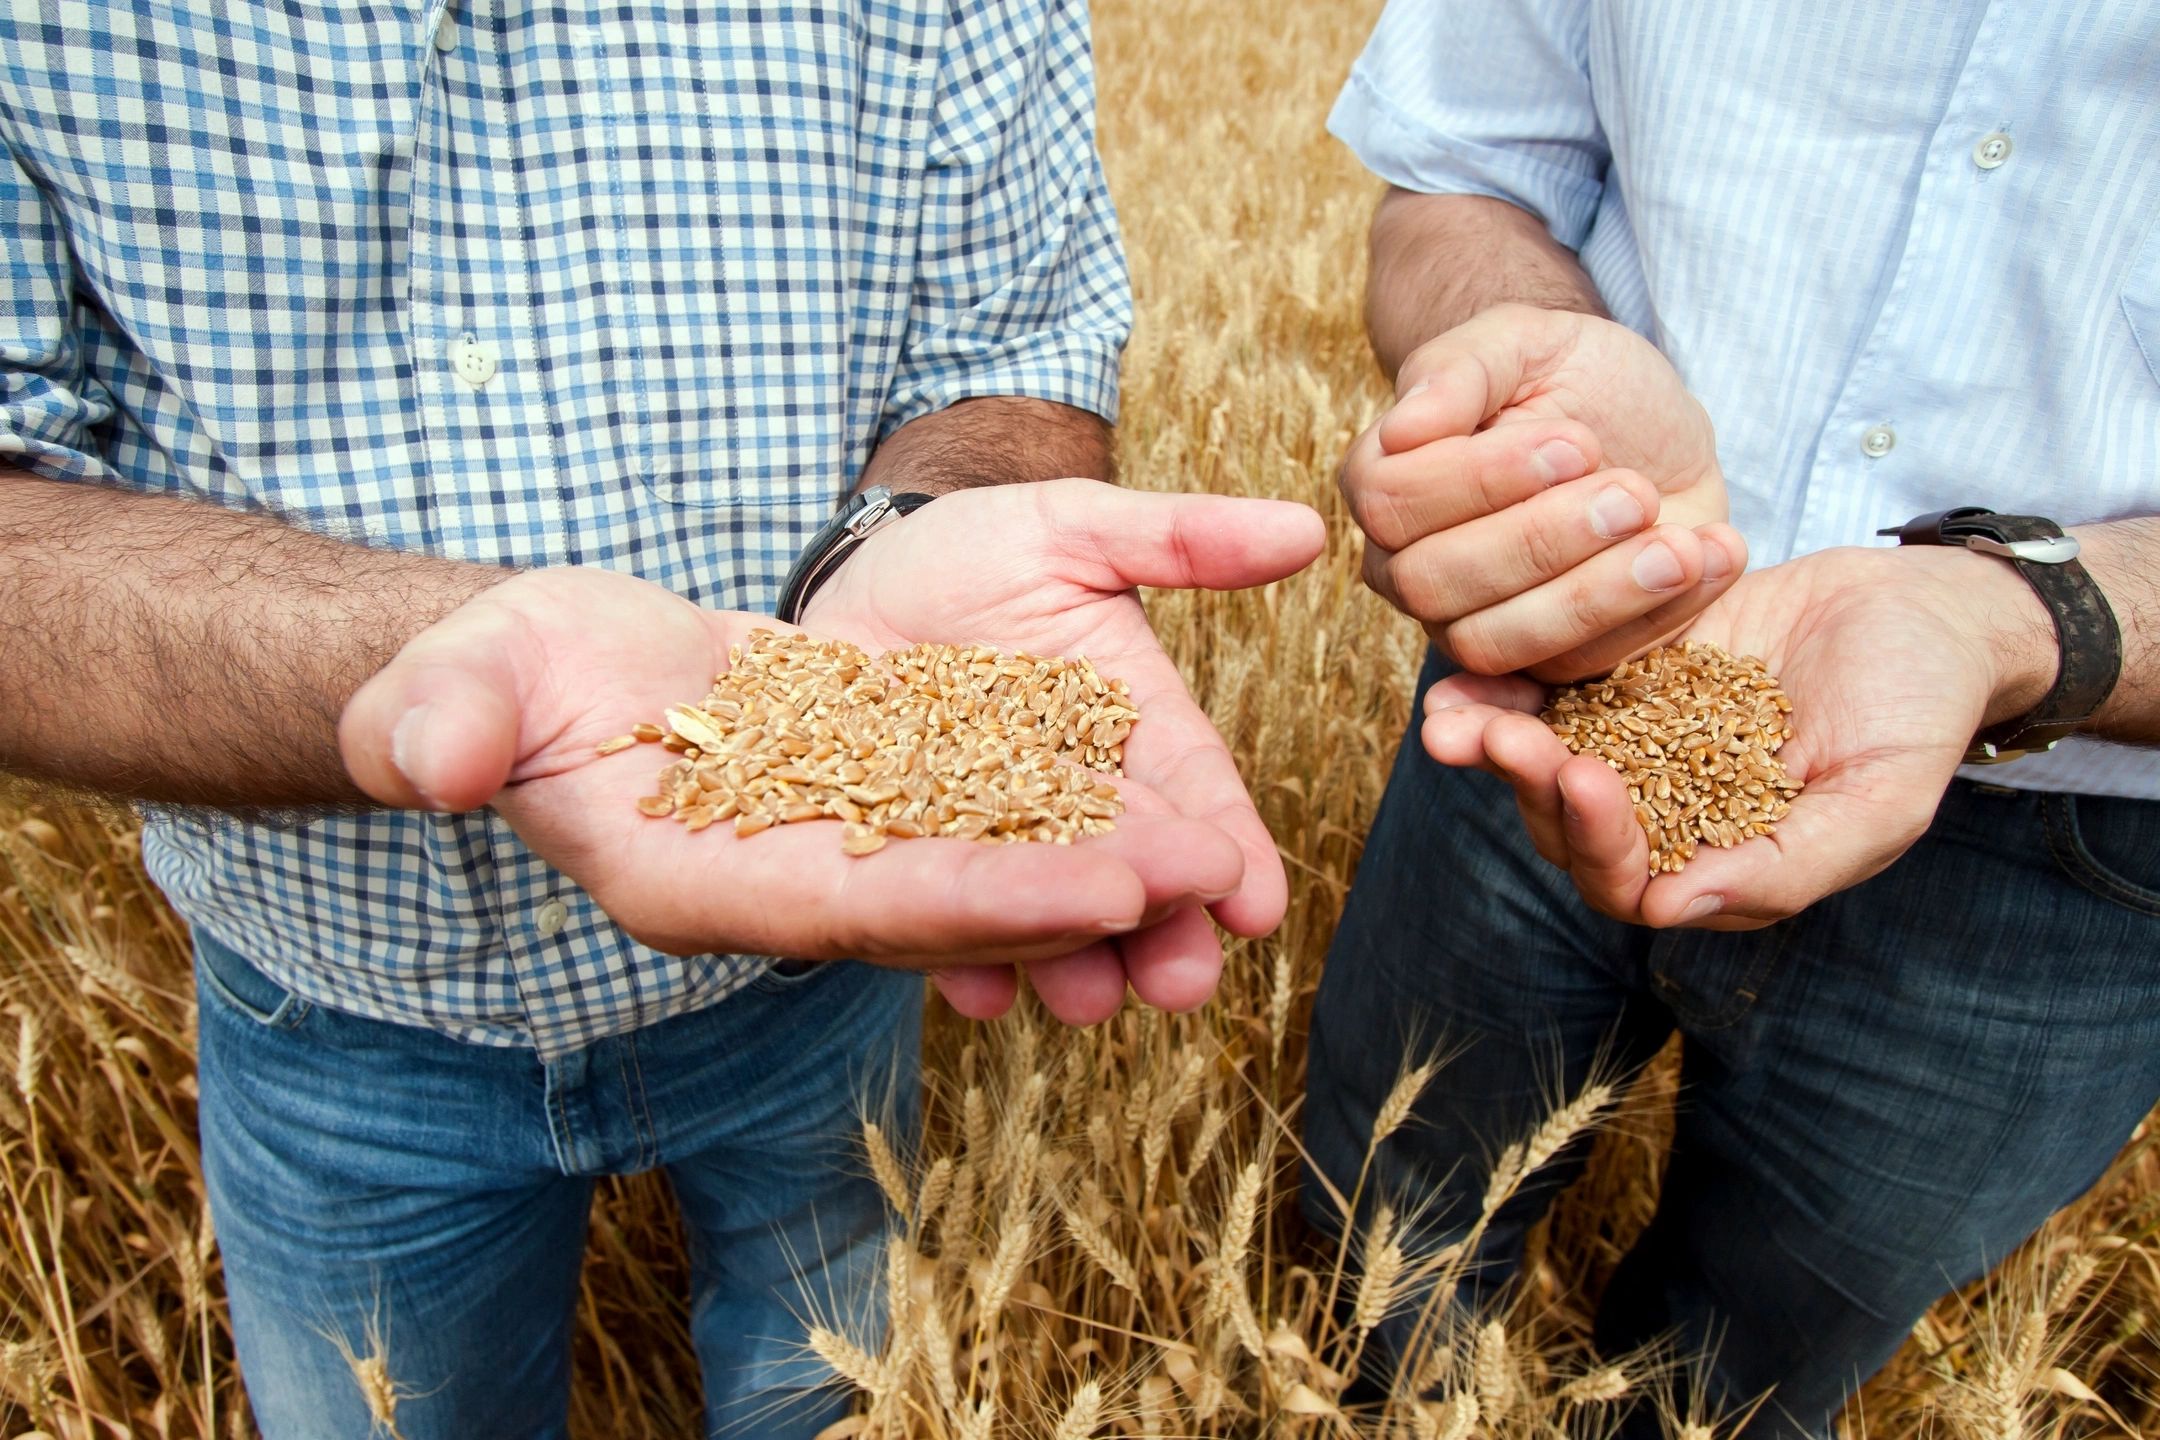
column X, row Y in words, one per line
column 1907, row 254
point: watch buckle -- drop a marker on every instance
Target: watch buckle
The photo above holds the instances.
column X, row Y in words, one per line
column 1984, row 752
column 2056, row 550
column 872, row 514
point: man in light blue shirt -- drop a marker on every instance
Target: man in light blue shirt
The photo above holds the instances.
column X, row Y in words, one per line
column 1664, row 287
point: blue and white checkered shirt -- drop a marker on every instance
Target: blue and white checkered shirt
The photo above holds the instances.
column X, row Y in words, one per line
column 636, row 284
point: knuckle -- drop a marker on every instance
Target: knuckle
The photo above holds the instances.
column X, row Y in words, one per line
column 1473, row 646
column 1384, row 516
column 1414, row 588
column 1544, row 543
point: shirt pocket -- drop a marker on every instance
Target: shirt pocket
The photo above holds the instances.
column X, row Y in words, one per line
column 722, row 250
column 2141, row 301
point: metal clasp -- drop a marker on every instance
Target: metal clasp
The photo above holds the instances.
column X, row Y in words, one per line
column 2060, row 550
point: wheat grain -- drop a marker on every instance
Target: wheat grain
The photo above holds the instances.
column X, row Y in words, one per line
column 1083, row 1415
column 29, row 1057
column 885, row 1167
column 1450, row 1419
column 848, row 1360
column 1382, row 1270
column 930, row 1196
column 1694, row 732
column 1490, row 1371
column 1599, row 1387
column 1097, row 1245
column 1213, row 1121
column 1004, row 1269
column 1402, row 1098
column 948, row 740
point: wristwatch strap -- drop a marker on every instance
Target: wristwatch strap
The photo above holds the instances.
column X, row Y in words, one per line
column 865, row 513
column 2089, row 640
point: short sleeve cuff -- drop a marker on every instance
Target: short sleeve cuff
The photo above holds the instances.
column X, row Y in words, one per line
column 1406, row 153
column 1067, row 367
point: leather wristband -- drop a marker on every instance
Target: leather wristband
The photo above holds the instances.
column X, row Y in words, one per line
column 864, row 515
column 2088, row 637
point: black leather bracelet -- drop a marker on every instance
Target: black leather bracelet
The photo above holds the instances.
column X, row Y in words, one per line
column 2088, row 638
column 865, row 513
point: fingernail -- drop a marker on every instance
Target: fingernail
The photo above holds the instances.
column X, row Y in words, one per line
column 1116, row 927
column 1615, row 513
column 1657, row 568
column 1418, row 389
column 406, row 745
column 1558, row 460
column 1716, row 564
column 1702, row 907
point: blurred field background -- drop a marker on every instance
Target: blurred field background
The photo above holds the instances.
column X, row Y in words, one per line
column 1097, row 1236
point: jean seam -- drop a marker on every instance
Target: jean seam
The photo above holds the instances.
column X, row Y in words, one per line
column 632, row 1068
column 563, row 1142
column 291, row 1008
column 1747, row 994
column 2067, row 845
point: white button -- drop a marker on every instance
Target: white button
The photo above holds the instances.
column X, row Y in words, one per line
column 446, row 33
column 1992, row 150
column 551, row 917
column 475, row 361
column 1876, row 440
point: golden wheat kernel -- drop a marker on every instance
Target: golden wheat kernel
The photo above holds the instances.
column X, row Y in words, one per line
column 656, row 805
column 1685, row 729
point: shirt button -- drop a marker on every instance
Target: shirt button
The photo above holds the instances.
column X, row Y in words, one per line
column 1992, row 150
column 1876, row 440
column 550, row 918
column 446, row 32
column 475, row 361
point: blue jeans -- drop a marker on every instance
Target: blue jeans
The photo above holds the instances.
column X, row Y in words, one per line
column 1882, row 1096
column 378, row 1185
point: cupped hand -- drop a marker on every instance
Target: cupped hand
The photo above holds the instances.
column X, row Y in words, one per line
column 503, row 702
column 1544, row 495
column 1051, row 568
column 1893, row 660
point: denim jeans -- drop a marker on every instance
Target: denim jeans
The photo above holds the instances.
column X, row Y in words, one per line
column 381, row 1186
column 1882, row 1095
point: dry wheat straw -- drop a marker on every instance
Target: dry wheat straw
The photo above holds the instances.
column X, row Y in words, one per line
column 1248, row 372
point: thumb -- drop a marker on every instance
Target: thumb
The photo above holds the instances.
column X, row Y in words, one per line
column 1180, row 542
column 1836, row 835
column 1455, row 383
column 437, row 727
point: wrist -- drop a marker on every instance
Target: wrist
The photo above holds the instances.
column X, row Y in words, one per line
column 2012, row 632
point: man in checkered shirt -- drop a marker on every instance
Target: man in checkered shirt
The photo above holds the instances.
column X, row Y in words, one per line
column 397, row 400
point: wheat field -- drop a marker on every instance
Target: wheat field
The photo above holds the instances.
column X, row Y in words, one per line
column 1098, row 1235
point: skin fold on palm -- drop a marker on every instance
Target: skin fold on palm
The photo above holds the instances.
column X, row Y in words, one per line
column 1888, row 686
column 503, row 702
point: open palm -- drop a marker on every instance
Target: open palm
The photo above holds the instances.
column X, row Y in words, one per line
column 1050, row 568
column 1888, row 685
column 503, row 702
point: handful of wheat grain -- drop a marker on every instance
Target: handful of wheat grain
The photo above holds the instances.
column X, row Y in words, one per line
column 1695, row 733
column 951, row 740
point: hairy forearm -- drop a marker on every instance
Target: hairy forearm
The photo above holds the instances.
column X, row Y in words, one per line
column 994, row 440
column 1437, row 260
column 2123, row 558
column 167, row 649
